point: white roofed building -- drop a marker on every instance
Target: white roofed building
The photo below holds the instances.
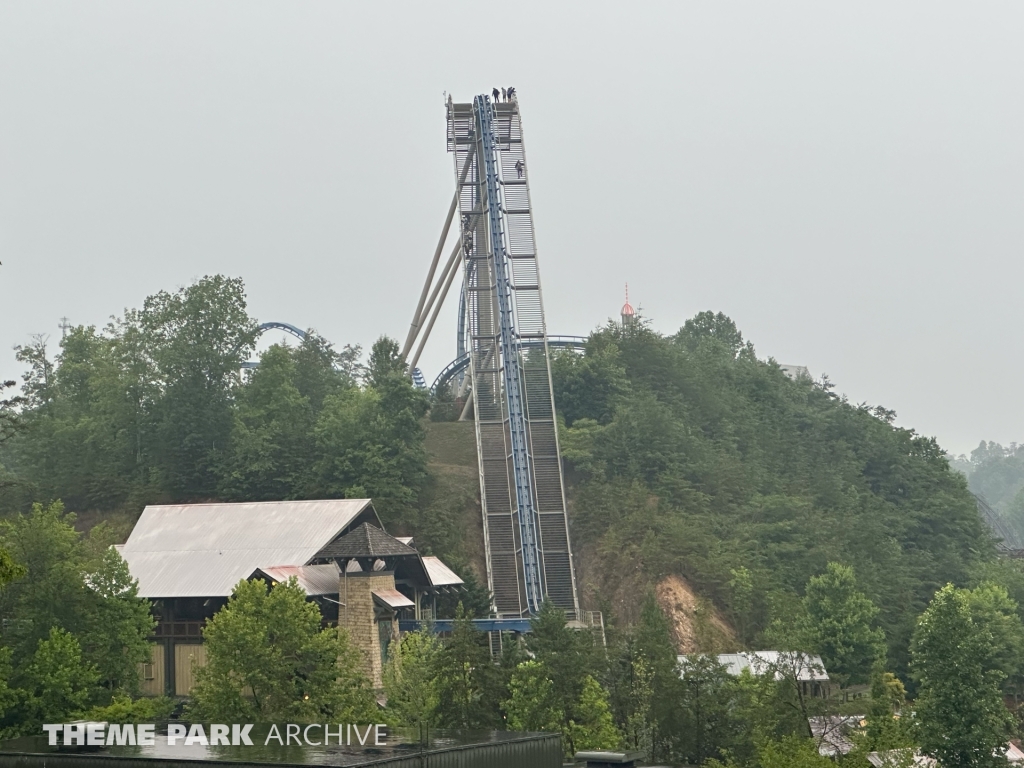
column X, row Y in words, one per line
column 189, row 557
column 805, row 669
column 204, row 550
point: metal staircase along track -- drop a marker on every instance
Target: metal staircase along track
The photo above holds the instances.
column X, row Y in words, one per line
column 527, row 549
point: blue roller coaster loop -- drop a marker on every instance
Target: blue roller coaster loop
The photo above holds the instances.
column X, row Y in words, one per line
column 262, row 328
column 295, row 331
column 298, row 333
column 461, row 363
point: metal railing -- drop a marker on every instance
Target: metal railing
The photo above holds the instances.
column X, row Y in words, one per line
column 503, row 332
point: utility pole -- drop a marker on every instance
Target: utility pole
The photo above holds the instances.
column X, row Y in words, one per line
column 64, row 325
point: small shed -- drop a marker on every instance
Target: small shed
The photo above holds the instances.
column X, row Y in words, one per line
column 806, row 669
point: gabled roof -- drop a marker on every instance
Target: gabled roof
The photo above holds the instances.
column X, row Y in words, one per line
column 366, row 541
column 314, row 579
column 440, row 575
column 204, row 550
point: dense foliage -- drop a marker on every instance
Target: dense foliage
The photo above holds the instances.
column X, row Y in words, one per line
column 690, row 456
column 960, row 706
column 996, row 474
column 153, row 408
column 809, row 523
column 270, row 660
column 74, row 628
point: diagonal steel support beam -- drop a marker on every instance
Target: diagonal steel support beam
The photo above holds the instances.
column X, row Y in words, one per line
column 417, row 318
column 451, row 269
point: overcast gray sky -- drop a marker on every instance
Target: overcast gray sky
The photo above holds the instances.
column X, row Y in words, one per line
column 845, row 181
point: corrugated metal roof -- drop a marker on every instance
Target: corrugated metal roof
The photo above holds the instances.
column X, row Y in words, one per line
column 204, row 550
column 832, row 732
column 808, row 667
column 393, row 597
column 314, row 579
column 440, row 574
column 898, row 756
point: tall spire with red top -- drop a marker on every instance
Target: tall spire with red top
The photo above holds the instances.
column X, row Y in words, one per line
column 627, row 313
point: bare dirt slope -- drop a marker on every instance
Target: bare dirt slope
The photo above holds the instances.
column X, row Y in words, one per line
column 696, row 625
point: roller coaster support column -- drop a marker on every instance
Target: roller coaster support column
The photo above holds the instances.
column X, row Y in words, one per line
column 415, row 325
column 423, row 307
column 452, row 269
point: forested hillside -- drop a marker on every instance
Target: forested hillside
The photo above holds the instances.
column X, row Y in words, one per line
column 155, row 408
column 687, row 456
column 793, row 519
column 996, row 474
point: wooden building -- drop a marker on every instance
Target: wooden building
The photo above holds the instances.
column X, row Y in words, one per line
column 188, row 559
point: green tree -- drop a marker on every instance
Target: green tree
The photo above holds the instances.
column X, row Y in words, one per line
column 468, row 680
column 117, row 624
column 993, row 610
column 568, row 661
column 8, row 696
column 887, row 729
column 81, row 587
column 591, row 726
column 370, row 443
column 839, row 625
column 567, row 656
column 639, row 728
column 792, row 752
column 75, row 444
column 385, row 362
column 38, row 379
column 962, row 720
column 268, row 659
column 474, row 595
column 10, row 421
column 140, row 410
column 197, row 337
column 741, row 586
column 707, row 726
column 591, row 385
column 534, row 705
column 56, row 683
column 710, row 328
column 272, row 445
column 411, row 682
column 646, row 687
column 711, row 460
column 124, row 709
column 321, row 370
column 53, row 593
column 531, row 705
column 9, row 569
